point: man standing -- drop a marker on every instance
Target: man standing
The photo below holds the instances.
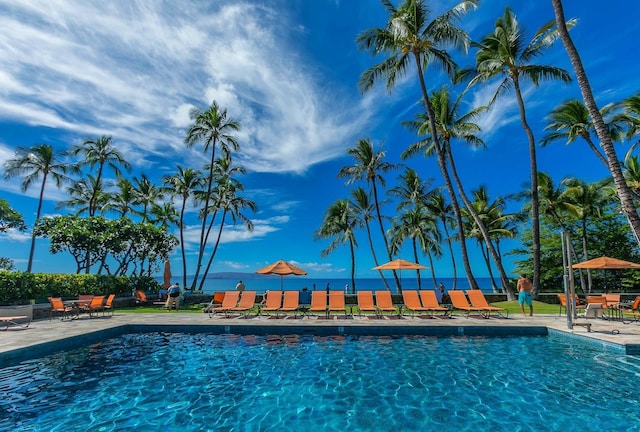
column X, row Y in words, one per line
column 524, row 294
column 240, row 286
column 174, row 296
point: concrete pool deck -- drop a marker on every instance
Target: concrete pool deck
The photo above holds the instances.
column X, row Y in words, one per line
column 43, row 337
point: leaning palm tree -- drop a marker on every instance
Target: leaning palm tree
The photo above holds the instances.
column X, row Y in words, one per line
column 571, row 120
column 211, row 127
column 623, row 190
column 100, row 151
column 409, row 37
column 339, row 225
column 183, row 184
column 35, row 162
column 369, row 166
column 364, row 209
column 505, row 54
column 437, row 204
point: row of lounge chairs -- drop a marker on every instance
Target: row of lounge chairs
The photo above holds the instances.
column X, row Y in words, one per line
column 422, row 302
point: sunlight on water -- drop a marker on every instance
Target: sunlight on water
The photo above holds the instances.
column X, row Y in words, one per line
column 165, row 382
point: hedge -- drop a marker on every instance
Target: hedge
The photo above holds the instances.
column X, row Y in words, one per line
column 23, row 287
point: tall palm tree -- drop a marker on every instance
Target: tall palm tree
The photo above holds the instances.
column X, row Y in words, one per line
column 211, row 127
column 632, row 174
column 571, row 120
column 87, row 196
column 183, row 184
column 506, row 54
column 437, row 204
column 339, row 225
column 39, row 161
column 364, row 209
column 623, row 190
column 147, row 194
column 369, row 166
column 409, row 36
column 123, row 200
column 163, row 215
column 99, row 151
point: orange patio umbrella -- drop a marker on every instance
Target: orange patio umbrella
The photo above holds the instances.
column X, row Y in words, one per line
column 605, row 262
column 282, row 268
column 400, row 264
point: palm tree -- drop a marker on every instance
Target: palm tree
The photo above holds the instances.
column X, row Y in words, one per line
column 369, row 166
column 213, row 128
column 147, row 194
column 164, row 215
column 364, row 209
column 123, row 200
column 100, row 152
column 571, row 120
column 409, row 36
column 504, row 53
column 632, row 174
column 87, row 196
column 183, row 184
column 35, row 162
column 623, row 190
column 339, row 225
column 437, row 204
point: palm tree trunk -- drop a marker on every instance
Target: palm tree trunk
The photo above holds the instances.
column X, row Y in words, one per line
column 182, row 252
column 415, row 258
column 473, row 284
column 535, row 200
column 353, row 265
column 38, row 211
column 384, row 236
column 373, row 252
column 483, row 229
column 453, row 258
column 624, row 192
column 215, row 248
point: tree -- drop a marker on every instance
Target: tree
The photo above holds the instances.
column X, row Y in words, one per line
column 409, row 36
column 504, row 53
column 38, row 161
column 147, row 194
column 339, row 225
column 213, row 128
column 183, row 184
column 369, row 166
column 437, row 204
column 123, row 200
column 624, row 192
column 100, row 152
column 10, row 218
column 87, row 196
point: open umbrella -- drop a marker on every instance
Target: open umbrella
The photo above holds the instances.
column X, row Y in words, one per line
column 166, row 276
column 605, row 262
column 400, row 264
column 282, row 268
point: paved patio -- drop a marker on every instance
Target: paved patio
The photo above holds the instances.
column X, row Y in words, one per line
column 44, row 336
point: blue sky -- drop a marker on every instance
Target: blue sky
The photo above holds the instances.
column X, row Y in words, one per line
column 288, row 72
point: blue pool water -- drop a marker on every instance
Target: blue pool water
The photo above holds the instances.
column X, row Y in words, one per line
column 186, row 382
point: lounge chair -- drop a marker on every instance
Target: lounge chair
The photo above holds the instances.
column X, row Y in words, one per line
column 108, row 305
column 246, row 304
column 384, row 302
column 58, row 306
column 477, row 299
column 19, row 316
column 563, row 303
column 94, row 305
column 215, row 301
column 633, row 308
column 459, row 302
column 290, row 303
column 365, row 302
column 412, row 303
column 337, row 303
column 318, row 302
column 430, row 301
column 273, row 302
column 230, row 301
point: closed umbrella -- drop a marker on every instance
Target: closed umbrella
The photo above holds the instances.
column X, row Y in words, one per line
column 282, row 268
column 166, row 276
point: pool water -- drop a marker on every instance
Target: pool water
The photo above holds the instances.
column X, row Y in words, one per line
column 193, row 382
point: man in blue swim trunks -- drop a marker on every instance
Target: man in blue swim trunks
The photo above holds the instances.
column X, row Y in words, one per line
column 524, row 294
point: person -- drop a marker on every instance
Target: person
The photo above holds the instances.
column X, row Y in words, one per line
column 174, row 296
column 346, row 289
column 328, row 288
column 524, row 294
column 441, row 294
column 240, row 286
column 305, row 296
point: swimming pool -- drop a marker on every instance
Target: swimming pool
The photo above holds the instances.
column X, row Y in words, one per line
column 189, row 382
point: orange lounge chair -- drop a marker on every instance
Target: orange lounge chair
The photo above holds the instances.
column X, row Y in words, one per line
column 460, row 302
column 290, row 303
column 365, row 302
column 246, row 304
column 384, row 302
column 273, row 302
column 477, row 299
column 412, row 302
column 633, row 308
column 430, row 301
column 108, row 305
column 337, row 303
column 94, row 305
column 318, row 302
column 563, row 303
column 230, row 301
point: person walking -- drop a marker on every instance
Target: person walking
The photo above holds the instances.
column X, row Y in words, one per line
column 524, row 294
column 173, row 298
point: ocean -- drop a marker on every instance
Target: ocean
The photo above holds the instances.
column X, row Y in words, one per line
column 290, row 283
